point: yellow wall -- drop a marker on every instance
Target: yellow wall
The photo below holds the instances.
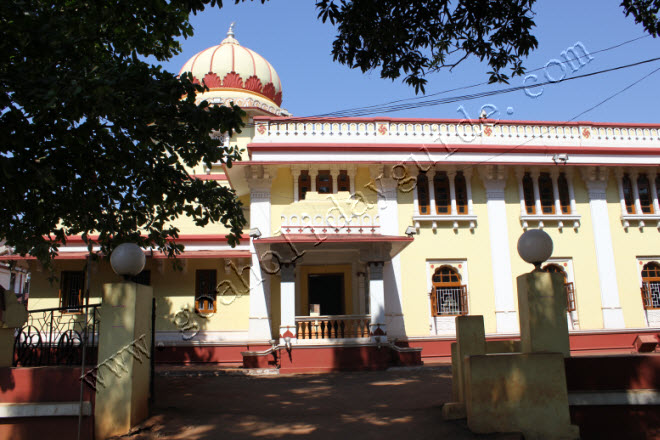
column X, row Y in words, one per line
column 628, row 246
column 174, row 291
column 448, row 245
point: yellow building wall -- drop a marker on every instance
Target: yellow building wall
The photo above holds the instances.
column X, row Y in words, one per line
column 174, row 291
column 571, row 244
column 445, row 244
column 628, row 246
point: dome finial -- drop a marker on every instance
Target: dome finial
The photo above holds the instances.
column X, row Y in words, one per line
column 230, row 35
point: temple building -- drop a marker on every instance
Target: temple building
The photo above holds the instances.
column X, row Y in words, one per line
column 366, row 237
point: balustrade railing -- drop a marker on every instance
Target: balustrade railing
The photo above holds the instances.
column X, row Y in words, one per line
column 55, row 337
column 333, row 326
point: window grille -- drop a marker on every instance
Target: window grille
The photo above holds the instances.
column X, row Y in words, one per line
column 304, row 184
column 628, row 194
column 72, row 284
column 205, row 290
column 546, row 194
column 461, row 193
column 343, row 181
column 442, row 195
column 449, row 296
column 564, row 195
column 645, row 197
column 528, row 192
column 423, row 193
column 324, row 182
column 651, row 285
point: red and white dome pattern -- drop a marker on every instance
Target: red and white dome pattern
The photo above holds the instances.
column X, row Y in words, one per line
column 232, row 66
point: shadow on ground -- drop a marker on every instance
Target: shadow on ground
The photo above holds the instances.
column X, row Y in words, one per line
column 365, row 405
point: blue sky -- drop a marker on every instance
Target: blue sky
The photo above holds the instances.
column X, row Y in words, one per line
column 298, row 45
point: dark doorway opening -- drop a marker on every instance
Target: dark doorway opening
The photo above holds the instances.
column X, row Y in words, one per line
column 328, row 291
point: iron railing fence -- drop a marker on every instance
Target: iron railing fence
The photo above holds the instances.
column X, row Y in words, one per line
column 55, row 336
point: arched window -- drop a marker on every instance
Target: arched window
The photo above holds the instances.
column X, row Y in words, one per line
column 343, row 181
column 628, row 194
column 528, row 193
column 651, row 285
column 461, row 193
column 423, row 194
column 304, row 184
column 449, row 296
column 564, row 195
column 324, row 182
column 442, row 196
column 546, row 194
column 568, row 287
column 645, row 197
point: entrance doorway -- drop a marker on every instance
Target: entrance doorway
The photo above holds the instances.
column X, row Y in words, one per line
column 328, row 291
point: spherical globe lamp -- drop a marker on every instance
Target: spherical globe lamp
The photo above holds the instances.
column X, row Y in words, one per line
column 535, row 247
column 127, row 260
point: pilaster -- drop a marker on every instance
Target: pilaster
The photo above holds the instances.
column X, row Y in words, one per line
column 596, row 182
column 494, row 179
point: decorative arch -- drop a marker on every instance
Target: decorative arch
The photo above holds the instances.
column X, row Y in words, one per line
column 449, row 294
column 569, row 287
column 651, row 285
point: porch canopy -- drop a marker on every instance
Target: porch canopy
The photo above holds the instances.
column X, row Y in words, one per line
column 291, row 247
column 280, row 255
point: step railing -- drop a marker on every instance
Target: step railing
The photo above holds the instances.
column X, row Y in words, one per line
column 333, row 326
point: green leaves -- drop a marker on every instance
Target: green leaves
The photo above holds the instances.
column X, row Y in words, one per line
column 645, row 12
column 92, row 139
column 412, row 37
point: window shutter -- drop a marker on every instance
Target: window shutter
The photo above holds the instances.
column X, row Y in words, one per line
column 434, row 302
column 464, row 300
column 646, row 295
column 570, row 297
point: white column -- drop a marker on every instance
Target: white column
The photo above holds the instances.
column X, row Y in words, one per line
column 377, row 328
column 351, row 171
column 259, row 319
column 467, row 173
column 638, row 204
column 295, row 172
column 622, row 200
column 571, row 190
column 505, row 312
column 555, row 190
column 389, row 225
column 362, row 299
column 537, row 195
column 451, row 175
column 334, row 173
column 654, row 192
column 520, row 173
column 287, row 301
column 313, row 172
column 431, row 179
column 596, row 180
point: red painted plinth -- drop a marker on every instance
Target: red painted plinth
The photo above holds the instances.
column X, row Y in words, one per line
column 40, row 385
column 312, row 359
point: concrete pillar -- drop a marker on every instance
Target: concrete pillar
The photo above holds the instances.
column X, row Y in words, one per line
column 596, row 181
column 542, row 310
column 259, row 179
column 122, row 376
column 505, row 313
column 13, row 315
column 388, row 212
column 287, row 301
column 377, row 327
column 470, row 341
column 451, row 175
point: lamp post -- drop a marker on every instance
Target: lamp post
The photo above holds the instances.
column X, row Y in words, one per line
column 127, row 260
column 535, row 247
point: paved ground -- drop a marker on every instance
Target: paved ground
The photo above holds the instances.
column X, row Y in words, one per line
column 395, row 404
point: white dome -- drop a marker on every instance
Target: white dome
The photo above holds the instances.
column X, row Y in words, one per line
column 230, row 66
